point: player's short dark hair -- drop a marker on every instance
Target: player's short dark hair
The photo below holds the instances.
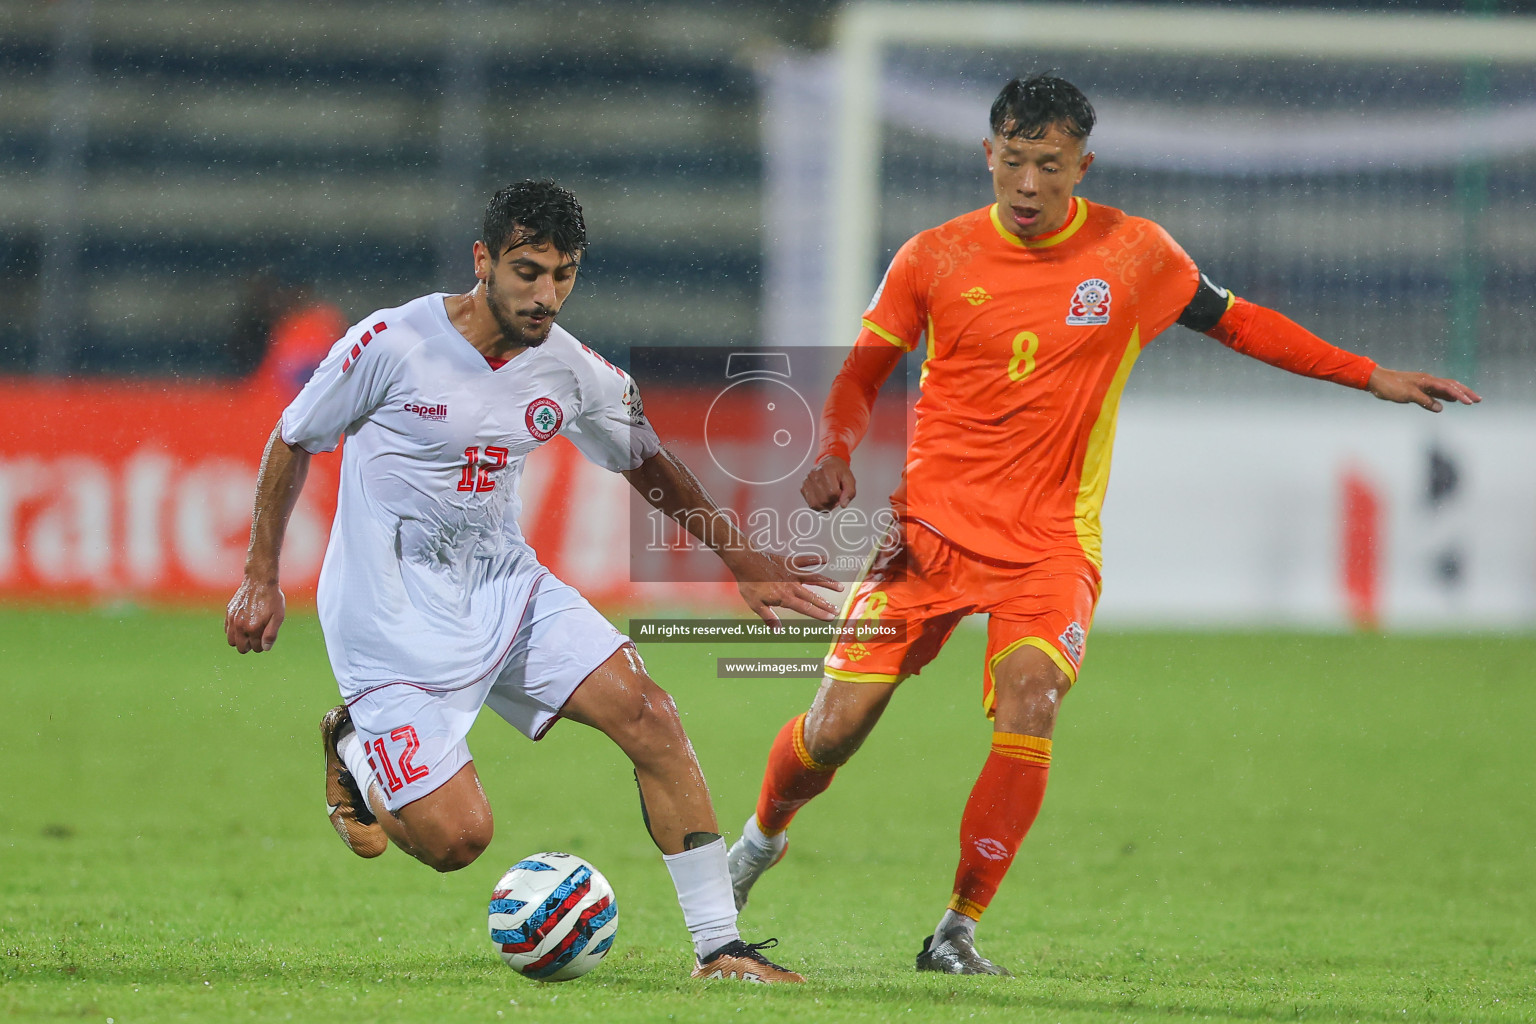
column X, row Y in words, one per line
column 1028, row 108
column 539, row 212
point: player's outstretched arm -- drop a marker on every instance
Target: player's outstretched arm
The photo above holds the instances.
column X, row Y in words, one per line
column 1419, row 388
column 1273, row 338
column 845, row 420
column 256, row 611
column 766, row 581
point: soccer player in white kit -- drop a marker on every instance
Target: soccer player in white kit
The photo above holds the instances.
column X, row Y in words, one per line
column 432, row 603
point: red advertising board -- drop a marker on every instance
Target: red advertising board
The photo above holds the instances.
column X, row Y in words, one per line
column 142, row 491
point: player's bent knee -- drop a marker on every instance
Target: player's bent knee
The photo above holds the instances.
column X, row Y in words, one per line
column 1031, row 699
column 646, row 707
column 457, row 847
column 457, row 853
column 450, row 827
column 1028, row 696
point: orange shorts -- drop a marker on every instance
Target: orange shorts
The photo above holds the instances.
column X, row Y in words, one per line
column 920, row 579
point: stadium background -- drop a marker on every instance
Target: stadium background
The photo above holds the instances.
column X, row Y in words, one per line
column 155, row 157
column 160, row 158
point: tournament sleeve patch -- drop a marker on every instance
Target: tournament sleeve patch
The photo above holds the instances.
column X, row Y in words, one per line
column 1209, row 305
column 632, row 401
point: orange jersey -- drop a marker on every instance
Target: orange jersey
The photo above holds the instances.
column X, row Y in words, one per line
column 1029, row 345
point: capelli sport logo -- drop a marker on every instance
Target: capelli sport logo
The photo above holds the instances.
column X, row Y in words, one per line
column 438, row 412
column 1090, row 303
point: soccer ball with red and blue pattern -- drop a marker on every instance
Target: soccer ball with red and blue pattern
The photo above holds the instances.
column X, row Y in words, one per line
column 553, row 917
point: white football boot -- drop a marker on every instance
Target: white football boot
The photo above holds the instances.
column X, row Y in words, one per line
column 751, row 855
column 956, row 953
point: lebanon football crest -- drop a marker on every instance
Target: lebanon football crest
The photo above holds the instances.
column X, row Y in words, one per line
column 543, row 418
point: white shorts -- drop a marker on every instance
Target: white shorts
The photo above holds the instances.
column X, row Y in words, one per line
column 415, row 735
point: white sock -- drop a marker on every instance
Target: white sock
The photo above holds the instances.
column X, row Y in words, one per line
column 355, row 756
column 752, row 832
column 952, row 923
column 703, row 883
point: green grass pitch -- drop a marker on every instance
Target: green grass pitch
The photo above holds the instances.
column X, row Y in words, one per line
column 1239, row 827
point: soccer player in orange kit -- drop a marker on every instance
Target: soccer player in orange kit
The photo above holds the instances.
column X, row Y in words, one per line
column 1034, row 310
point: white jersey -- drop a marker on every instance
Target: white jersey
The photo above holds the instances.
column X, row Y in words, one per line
column 427, row 573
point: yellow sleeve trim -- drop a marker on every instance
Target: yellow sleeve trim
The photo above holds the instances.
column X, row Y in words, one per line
column 887, row 335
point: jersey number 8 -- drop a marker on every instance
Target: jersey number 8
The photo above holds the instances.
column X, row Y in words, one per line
column 1025, row 345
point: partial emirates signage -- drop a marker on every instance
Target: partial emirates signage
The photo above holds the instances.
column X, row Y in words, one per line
column 141, row 491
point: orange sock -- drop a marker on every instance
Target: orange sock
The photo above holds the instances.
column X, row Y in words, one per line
column 793, row 777
column 1002, row 806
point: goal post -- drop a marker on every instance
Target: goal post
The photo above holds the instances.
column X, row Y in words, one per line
column 1396, row 121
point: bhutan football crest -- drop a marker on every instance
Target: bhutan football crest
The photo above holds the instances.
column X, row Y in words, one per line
column 1090, row 303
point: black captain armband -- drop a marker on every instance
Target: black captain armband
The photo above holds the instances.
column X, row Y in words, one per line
column 1208, row 306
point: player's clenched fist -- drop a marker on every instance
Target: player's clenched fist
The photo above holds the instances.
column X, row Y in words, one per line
column 254, row 616
column 830, row 485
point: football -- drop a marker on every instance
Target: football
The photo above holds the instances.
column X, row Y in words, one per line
column 553, row 917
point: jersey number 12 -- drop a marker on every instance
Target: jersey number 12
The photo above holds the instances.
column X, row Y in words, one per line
column 476, row 477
